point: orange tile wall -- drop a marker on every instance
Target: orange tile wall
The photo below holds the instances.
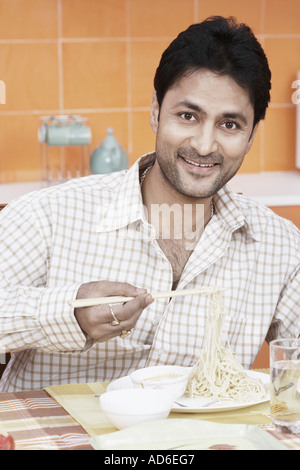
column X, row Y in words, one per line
column 97, row 58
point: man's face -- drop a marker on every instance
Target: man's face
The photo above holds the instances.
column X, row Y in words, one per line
column 204, row 129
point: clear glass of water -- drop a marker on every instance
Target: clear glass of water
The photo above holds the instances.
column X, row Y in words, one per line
column 285, row 384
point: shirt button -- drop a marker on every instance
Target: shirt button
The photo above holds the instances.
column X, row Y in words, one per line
column 160, row 353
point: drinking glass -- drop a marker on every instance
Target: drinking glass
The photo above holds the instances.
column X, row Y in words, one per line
column 285, row 384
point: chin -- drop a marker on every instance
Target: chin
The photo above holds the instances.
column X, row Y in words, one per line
column 196, row 194
column 200, row 191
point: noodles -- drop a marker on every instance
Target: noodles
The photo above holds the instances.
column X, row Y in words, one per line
column 217, row 373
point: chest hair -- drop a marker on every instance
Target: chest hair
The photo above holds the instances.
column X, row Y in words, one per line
column 177, row 253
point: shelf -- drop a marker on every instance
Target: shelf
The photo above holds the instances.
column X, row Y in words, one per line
column 11, row 191
column 280, row 188
column 269, row 188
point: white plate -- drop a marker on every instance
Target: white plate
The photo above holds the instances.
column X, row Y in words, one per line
column 195, row 405
column 187, row 434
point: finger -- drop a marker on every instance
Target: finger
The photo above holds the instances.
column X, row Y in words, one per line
column 108, row 288
column 133, row 308
column 114, row 321
column 128, row 312
column 104, row 330
column 96, row 321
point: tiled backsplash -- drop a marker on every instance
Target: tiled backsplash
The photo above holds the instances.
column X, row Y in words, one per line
column 97, row 58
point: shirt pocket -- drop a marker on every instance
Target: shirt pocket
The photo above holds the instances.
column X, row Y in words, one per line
column 244, row 337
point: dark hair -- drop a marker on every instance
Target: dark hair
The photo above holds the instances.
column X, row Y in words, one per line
column 224, row 47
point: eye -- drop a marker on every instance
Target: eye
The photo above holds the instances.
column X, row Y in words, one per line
column 231, row 125
column 187, row 116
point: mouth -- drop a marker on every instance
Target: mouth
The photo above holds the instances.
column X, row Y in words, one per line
column 203, row 166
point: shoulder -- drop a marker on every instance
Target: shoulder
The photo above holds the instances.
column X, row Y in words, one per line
column 266, row 224
column 78, row 199
column 79, row 189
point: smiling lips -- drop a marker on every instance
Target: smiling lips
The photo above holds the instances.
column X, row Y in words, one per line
column 201, row 165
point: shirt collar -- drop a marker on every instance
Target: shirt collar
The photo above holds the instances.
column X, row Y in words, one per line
column 127, row 206
column 231, row 213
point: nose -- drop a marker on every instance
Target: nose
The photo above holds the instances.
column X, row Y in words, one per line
column 204, row 139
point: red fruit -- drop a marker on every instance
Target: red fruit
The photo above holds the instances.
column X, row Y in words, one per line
column 6, row 442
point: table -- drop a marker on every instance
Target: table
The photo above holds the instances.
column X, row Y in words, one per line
column 37, row 421
column 64, row 417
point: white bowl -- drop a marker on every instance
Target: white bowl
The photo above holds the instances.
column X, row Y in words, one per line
column 132, row 406
column 172, row 379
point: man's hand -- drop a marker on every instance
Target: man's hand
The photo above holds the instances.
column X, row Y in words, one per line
column 95, row 321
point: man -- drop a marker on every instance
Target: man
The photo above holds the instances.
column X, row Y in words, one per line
column 103, row 235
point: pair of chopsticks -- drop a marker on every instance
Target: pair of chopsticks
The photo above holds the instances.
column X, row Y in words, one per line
column 119, row 299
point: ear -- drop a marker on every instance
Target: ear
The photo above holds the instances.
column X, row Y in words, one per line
column 251, row 139
column 154, row 112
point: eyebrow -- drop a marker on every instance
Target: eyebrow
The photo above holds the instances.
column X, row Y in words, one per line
column 230, row 115
column 238, row 116
column 190, row 105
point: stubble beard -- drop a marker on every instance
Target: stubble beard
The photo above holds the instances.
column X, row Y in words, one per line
column 173, row 179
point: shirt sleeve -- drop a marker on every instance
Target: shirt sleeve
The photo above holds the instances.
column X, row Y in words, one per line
column 286, row 321
column 32, row 315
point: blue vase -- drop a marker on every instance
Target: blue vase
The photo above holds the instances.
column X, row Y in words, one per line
column 109, row 156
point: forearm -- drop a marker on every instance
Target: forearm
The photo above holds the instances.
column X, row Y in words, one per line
column 39, row 318
column 34, row 312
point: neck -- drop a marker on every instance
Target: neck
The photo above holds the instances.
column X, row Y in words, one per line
column 163, row 201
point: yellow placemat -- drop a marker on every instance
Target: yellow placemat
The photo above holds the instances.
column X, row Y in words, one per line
column 80, row 402
column 258, row 414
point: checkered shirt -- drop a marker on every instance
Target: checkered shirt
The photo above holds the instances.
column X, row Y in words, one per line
column 94, row 228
